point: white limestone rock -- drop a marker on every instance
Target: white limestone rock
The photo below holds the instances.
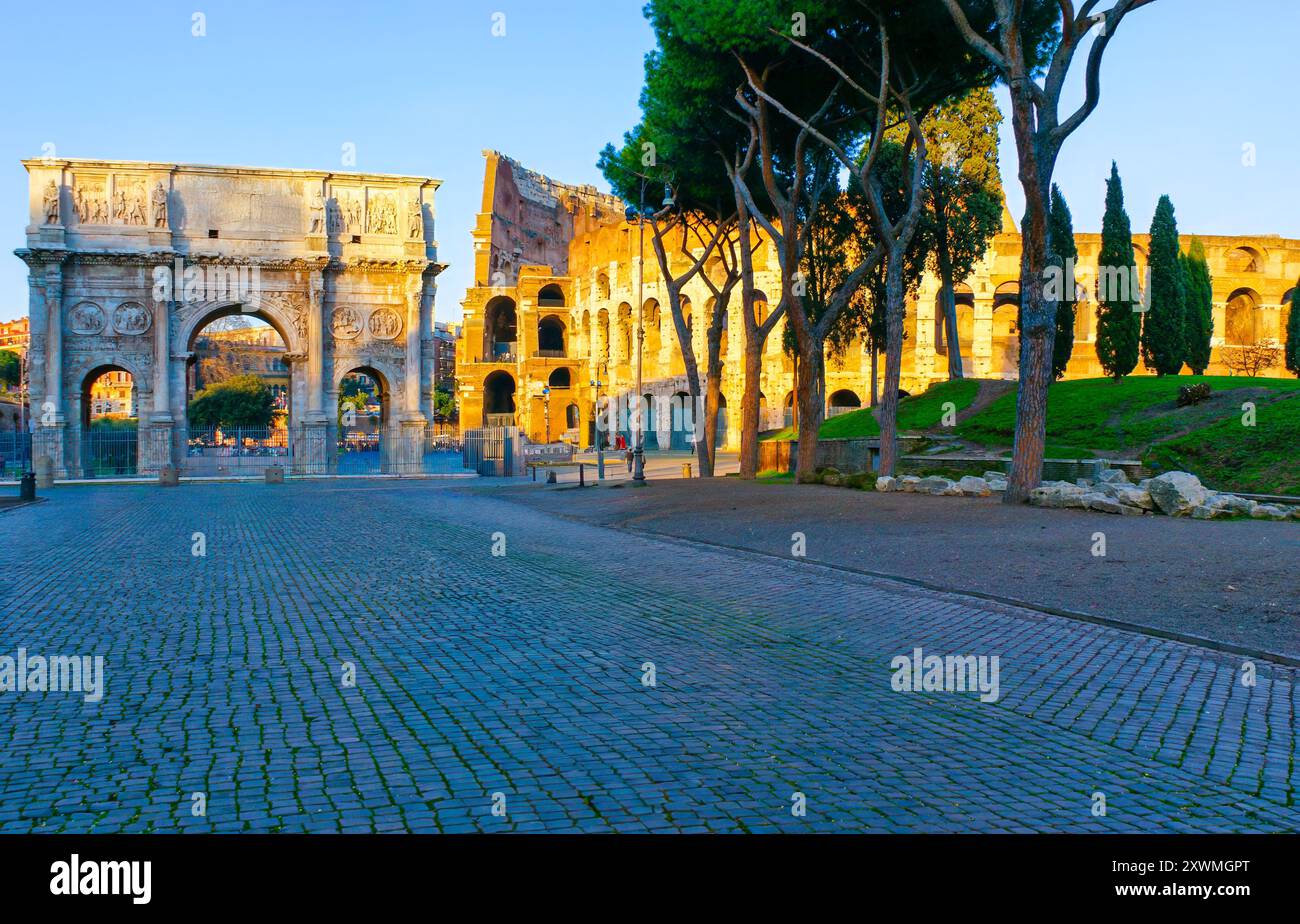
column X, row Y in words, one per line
column 1057, row 494
column 1113, row 476
column 1178, row 493
column 974, row 487
column 1127, row 493
column 934, row 484
column 886, row 483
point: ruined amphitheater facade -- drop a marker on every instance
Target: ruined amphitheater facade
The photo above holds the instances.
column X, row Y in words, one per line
column 549, row 326
column 128, row 261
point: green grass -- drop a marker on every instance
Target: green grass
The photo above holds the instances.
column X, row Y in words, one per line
column 1233, row 457
column 1098, row 414
column 919, row 412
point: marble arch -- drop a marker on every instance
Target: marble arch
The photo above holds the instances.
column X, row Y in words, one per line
column 318, row 255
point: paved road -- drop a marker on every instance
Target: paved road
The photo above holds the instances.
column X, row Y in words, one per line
column 522, row 675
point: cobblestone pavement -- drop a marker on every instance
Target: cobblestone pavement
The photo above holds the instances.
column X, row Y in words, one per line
column 523, row 674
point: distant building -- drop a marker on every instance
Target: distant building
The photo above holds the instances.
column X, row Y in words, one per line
column 444, row 353
column 14, row 336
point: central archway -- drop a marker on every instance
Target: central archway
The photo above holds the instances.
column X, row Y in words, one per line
column 238, row 393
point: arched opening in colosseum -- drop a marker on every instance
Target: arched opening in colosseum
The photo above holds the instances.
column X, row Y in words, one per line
column 1084, row 313
column 842, row 402
column 572, row 417
column 653, row 335
column 560, row 378
column 499, row 400
column 550, row 336
column 720, row 439
column 500, row 331
column 624, row 333
column 787, row 411
column 649, row 422
column 601, row 351
column 1005, row 358
column 1243, row 260
column 1242, row 322
column 964, row 297
column 602, row 286
column 109, row 422
column 683, row 421
column 550, row 296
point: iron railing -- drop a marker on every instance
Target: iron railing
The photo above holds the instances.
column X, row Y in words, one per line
column 217, row 451
column 108, row 452
column 15, row 454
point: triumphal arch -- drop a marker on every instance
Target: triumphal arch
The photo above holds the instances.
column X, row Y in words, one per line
column 129, row 260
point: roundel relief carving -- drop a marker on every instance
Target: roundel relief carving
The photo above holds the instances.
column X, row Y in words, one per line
column 86, row 318
column 131, row 318
column 385, row 324
column 346, row 323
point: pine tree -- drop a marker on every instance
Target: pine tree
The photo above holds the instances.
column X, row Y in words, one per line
column 1293, row 334
column 1060, row 231
column 1198, row 314
column 1118, row 324
column 1164, row 344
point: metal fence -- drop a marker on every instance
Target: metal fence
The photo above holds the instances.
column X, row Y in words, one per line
column 397, row 449
column 108, row 452
column 217, row 451
column 494, row 452
column 15, row 454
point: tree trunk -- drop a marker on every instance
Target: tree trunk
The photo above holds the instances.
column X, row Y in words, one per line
column 875, row 375
column 810, row 389
column 947, row 297
column 712, row 393
column 1037, row 339
column 895, row 310
column 749, row 403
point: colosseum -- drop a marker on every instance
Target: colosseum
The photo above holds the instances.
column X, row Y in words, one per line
column 548, row 327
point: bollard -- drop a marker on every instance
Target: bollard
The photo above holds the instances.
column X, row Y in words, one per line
column 600, row 464
column 169, row 476
column 44, row 466
column 532, row 470
column 582, row 474
column 274, row 475
column 686, row 470
column 27, row 487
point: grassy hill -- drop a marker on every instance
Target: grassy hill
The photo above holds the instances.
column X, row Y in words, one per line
column 1139, row 418
column 918, row 412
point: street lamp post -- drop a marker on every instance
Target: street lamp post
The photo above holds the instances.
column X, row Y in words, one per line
column 546, row 410
column 638, row 438
column 639, row 216
column 600, row 437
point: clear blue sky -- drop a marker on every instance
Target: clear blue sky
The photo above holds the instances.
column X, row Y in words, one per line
column 422, row 88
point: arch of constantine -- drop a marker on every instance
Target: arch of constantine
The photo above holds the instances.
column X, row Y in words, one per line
column 553, row 308
column 128, row 261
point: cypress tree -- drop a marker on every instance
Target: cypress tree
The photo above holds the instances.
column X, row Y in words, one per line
column 1293, row 334
column 1119, row 325
column 1198, row 314
column 1164, row 345
column 1060, row 235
